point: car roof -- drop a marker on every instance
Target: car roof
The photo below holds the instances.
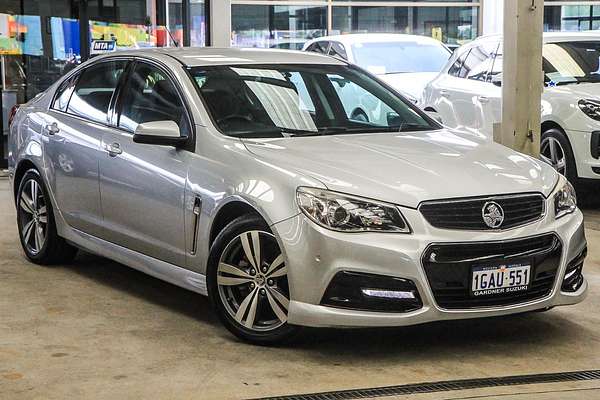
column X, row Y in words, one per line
column 353, row 38
column 205, row 56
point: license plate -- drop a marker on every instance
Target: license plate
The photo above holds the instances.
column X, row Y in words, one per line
column 500, row 279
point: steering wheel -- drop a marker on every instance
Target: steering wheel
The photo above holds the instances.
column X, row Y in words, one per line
column 234, row 117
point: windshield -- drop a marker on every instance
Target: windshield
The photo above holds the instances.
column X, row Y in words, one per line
column 397, row 57
column 301, row 100
column 571, row 62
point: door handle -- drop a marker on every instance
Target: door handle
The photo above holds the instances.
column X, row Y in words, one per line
column 52, row 129
column 114, row 149
column 483, row 99
column 444, row 93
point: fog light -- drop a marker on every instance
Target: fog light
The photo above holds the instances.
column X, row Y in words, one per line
column 388, row 294
column 370, row 292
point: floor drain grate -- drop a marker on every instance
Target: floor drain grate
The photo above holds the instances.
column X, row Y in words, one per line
column 432, row 387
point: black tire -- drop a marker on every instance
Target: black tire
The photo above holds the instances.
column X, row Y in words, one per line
column 225, row 244
column 557, row 135
column 52, row 249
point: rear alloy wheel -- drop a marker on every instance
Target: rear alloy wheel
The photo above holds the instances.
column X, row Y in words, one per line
column 248, row 282
column 555, row 150
column 34, row 217
column 37, row 228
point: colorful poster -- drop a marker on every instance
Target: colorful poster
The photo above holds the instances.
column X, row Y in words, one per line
column 21, row 34
column 126, row 36
column 65, row 38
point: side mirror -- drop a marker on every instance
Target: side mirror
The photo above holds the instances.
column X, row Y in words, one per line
column 497, row 80
column 162, row 133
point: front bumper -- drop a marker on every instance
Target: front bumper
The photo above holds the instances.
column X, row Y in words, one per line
column 315, row 255
column 585, row 146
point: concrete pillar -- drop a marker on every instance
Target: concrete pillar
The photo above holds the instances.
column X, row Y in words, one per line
column 522, row 75
column 220, row 23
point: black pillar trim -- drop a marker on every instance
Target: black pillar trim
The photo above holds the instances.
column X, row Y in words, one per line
column 187, row 22
column 207, row 23
column 84, row 30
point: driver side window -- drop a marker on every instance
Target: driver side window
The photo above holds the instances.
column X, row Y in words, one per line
column 150, row 96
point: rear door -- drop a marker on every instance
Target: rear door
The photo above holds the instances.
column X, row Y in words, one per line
column 73, row 128
column 143, row 186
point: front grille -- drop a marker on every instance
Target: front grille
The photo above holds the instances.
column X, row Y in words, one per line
column 467, row 214
column 449, row 268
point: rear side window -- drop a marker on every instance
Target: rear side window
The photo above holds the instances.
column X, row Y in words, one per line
column 151, row 96
column 337, row 50
column 63, row 95
column 455, row 69
column 480, row 61
column 319, row 47
column 94, row 90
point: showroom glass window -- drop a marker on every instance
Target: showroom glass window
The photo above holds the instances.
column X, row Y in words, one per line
column 571, row 17
column 94, row 90
column 277, row 26
column 453, row 25
column 150, row 96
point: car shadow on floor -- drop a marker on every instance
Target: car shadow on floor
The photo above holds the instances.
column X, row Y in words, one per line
column 145, row 287
column 487, row 335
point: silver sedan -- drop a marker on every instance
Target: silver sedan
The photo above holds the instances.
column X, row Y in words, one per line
column 291, row 188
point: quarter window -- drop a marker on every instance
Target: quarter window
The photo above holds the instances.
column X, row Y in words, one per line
column 63, row 94
column 94, row 90
column 151, row 96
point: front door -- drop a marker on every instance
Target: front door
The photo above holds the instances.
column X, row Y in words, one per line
column 143, row 186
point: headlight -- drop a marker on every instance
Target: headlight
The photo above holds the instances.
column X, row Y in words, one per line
column 591, row 108
column 342, row 212
column 565, row 199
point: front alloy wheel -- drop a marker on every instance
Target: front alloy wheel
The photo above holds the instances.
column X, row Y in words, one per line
column 556, row 150
column 248, row 282
column 553, row 153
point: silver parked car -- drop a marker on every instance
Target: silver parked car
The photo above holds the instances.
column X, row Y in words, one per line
column 242, row 175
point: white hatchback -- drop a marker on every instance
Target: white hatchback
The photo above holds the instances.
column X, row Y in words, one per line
column 467, row 94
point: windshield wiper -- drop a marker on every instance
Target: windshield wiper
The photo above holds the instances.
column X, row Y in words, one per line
column 411, row 126
column 274, row 132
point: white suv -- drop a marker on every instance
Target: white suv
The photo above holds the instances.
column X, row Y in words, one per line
column 467, row 94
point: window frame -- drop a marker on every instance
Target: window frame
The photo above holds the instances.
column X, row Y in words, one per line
column 80, row 72
column 116, row 109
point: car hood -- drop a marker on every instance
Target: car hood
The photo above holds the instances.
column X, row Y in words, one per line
column 412, row 83
column 407, row 168
column 580, row 91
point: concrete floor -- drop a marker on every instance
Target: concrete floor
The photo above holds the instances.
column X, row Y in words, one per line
column 99, row 330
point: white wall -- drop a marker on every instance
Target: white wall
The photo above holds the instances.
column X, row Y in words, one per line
column 492, row 16
column 220, row 26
